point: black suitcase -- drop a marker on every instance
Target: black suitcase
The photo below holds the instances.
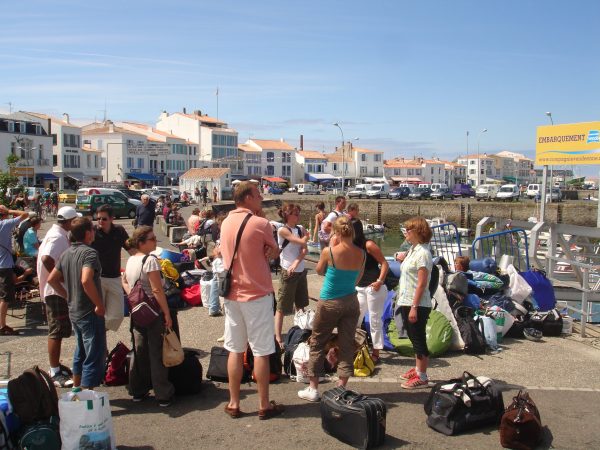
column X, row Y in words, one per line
column 353, row 418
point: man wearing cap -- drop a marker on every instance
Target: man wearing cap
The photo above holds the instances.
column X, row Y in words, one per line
column 55, row 243
column 109, row 239
column 7, row 263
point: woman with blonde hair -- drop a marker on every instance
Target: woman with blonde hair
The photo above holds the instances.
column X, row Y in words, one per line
column 414, row 298
column 147, row 371
column 338, row 307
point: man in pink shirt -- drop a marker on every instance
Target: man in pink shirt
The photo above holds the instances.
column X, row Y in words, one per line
column 249, row 305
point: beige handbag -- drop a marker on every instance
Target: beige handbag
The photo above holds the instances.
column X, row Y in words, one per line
column 172, row 350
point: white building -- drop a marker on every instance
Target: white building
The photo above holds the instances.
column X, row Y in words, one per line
column 311, row 166
column 277, row 159
column 368, row 165
column 516, row 167
column 196, row 178
column 71, row 163
column 420, row 170
column 251, row 158
column 216, row 142
column 487, row 168
column 28, row 139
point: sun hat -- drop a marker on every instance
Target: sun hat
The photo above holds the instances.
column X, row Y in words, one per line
column 67, row 213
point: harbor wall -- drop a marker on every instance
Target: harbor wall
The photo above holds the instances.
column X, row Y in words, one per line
column 464, row 213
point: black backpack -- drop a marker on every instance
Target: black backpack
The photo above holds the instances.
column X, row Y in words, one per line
column 470, row 332
column 33, row 396
column 187, row 376
column 275, row 365
column 294, row 336
column 276, row 263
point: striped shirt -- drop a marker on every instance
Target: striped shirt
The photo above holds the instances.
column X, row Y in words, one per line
column 418, row 256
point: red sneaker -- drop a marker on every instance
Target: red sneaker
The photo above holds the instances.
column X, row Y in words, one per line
column 408, row 375
column 415, row 383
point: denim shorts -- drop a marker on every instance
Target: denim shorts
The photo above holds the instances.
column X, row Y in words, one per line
column 90, row 349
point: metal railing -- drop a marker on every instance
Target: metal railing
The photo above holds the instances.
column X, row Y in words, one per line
column 512, row 242
column 445, row 241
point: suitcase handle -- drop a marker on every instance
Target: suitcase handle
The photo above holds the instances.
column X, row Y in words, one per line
column 355, row 397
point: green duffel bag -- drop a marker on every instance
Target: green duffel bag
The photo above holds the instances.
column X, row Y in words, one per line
column 438, row 332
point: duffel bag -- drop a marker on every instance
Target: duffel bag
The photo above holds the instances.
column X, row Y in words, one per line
column 521, row 425
column 549, row 323
column 542, row 289
column 463, row 404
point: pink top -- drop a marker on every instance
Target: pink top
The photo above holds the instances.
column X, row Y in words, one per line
column 251, row 276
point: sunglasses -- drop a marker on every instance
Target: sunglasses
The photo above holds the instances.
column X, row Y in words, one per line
column 102, row 219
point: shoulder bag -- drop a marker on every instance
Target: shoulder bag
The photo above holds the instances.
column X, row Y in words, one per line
column 225, row 280
column 144, row 309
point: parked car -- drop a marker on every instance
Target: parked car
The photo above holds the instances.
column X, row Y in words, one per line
column 421, row 193
column 554, row 196
column 307, row 189
column 96, row 190
column 379, row 190
column 67, row 196
column 359, row 191
column 442, row 194
column 399, row 193
column 132, row 193
column 486, row 192
column 533, row 190
column 509, row 193
column 463, row 190
column 275, row 190
column 122, row 206
column 438, row 186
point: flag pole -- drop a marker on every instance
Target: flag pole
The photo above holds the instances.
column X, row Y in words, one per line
column 217, row 94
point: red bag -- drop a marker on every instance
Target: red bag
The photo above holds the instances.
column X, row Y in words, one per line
column 191, row 295
column 117, row 370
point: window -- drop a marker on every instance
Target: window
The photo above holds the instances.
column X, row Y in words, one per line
column 286, row 157
column 38, row 129
column 396, row 172
column 54, row 139
column 41, row 151
column 471, row 163
column 432, row 171
column 286, row 171
column 129, row 163
column 377, row 157
column 96, row 161
column 22, row 127
column 11, row 126
column 54, row 160
column 410, row 172
column 418, row 172
column 363, row 170
column 140, row 163
column 270, row 170
column 471, row 171
column 363, row 157
column 13, row 148
column 89, row 160
column 376, row 170
column 270, row 157
column 335, row 167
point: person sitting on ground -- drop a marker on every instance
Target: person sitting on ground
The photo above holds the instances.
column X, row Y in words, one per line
column 293, row 287
column 414, row 298
column 338, row 307
column 31, row 243
column 461, row 263
column 147, row 371
column 175, row 218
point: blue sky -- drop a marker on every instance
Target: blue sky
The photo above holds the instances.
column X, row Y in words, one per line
column 406, row 77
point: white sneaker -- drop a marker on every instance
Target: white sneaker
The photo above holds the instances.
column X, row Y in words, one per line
column 310, row 394
column 221, row 339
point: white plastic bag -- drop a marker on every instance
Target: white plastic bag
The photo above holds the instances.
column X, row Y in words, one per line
column 86, row 423
column 300, row 359
column 518, row 288
column 489, row 331
column 205, row 288
column 304, row 319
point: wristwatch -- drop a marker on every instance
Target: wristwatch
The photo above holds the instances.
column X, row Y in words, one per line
column 414, row 306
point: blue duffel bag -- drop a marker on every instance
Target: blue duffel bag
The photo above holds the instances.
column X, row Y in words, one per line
column 487, row 265
column 543, row 292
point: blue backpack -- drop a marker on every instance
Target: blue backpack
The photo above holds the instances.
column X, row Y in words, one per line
column 543, row 292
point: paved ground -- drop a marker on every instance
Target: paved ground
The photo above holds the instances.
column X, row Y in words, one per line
column 561, row 373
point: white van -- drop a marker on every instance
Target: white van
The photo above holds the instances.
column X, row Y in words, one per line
column 379, row 190
column 307, row 189
column 438, row 186
column 359, row 191
column 486, row 192
column 533, row 190
column 509, row 193
column 424, row 185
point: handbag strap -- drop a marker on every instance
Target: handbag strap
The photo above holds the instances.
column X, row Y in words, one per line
column 237, row 239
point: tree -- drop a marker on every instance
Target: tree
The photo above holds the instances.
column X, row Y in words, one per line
column 7, row 180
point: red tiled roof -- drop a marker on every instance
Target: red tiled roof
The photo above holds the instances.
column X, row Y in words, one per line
column 198, row 174
column 267, row 144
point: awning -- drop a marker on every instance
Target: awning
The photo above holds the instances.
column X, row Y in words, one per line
column 375, row 180
column 47, row 176
column 316, row 177
column 407, row 180
column 512, row 180
column 77, row 176
column 274, row 179
column 142, row 176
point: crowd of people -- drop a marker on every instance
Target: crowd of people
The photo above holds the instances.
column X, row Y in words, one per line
column 81, row 282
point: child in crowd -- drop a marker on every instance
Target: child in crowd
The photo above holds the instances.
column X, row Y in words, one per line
column 218, row 270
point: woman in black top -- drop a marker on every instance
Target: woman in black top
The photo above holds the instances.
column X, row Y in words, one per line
column 371, row 290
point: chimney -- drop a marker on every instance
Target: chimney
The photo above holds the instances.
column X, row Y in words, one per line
column 281, row 140
column 66, row 117
column 111, row 126
column 197, row 112
column 301, row 142
column 184, row 110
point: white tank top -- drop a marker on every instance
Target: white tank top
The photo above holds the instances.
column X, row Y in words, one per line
column 291, row 251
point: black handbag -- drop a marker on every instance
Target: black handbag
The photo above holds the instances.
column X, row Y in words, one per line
column 463, row 404
column 217, row 367
column 225, row 280
column 549, row 323
column 353, row 418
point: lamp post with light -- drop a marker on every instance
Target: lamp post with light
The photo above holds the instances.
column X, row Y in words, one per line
column 478, row 159
column 343, row 162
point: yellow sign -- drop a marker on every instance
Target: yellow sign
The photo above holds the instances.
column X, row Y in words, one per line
column 574, row 143
column 21, row 171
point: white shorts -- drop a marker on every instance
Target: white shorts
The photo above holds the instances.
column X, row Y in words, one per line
column 112, row 295
column 250, row 323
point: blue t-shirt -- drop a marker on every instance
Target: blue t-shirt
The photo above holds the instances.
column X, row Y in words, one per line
column 6, row 228
column 29, row 241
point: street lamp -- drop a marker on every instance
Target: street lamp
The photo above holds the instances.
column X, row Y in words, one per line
column 343, row 168
column 478, row 160
column 549, row 114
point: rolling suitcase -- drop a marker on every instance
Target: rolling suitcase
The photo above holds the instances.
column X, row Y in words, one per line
column 353, row 418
